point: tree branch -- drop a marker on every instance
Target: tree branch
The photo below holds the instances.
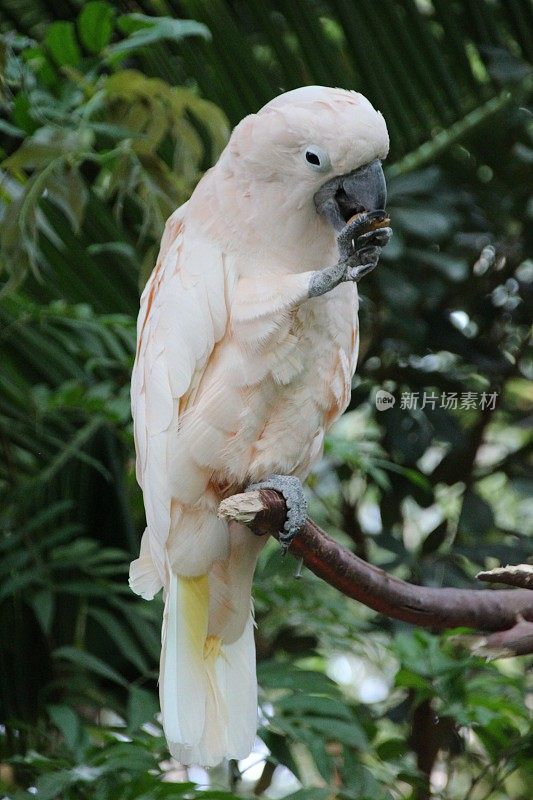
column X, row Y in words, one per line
column 520, row 575
column 515, row 641
column 484, row 609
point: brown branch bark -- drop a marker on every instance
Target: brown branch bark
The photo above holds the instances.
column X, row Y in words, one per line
column 438, row 608
column 515, row 641
column 519, row 575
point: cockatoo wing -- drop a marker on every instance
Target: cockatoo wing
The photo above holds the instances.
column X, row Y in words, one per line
column 182, row 315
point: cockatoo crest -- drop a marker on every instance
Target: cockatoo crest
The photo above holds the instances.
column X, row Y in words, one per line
column 264, row 181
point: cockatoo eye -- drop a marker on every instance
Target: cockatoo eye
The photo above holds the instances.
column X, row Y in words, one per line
column 317, row 158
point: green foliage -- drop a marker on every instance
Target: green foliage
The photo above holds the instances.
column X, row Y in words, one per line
column 100, row 763
column 104, row 130
column 117, row 140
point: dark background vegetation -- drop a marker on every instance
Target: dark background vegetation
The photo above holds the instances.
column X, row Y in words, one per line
column 109, row 113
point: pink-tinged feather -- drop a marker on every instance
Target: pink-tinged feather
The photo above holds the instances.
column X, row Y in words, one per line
column 237, row 375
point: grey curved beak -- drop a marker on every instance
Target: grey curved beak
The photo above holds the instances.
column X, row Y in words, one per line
column 363, row 189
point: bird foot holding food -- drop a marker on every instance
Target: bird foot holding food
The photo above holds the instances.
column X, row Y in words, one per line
column 360, row 243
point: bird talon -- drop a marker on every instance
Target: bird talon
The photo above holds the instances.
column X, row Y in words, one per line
column 291, row 488
column 356, row 273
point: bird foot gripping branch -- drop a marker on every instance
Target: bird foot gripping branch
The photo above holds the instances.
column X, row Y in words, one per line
column 296, row 505
column 505, row 615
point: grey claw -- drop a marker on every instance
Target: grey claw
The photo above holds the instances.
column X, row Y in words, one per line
column 291, row 489
column 352, row 237
column 379, row 238
column 365, row 256
column 356, row 273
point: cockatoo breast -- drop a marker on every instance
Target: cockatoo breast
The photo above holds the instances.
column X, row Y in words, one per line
column 272, row 388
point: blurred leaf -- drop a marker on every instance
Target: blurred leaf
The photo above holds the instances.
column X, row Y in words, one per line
column 142, row 707
column 89, row 662
column 95, row 25
column 349, row 733
column 476, row 516
column 312, row 793
column 68, row 723
column 46, row 144
column 313, row 705
column 44, row 606
column 52, row 784
column 61, row 43
column 143, row 30
column 121, row 637
column 286, row 676
column 425, row 223
column 391, row 749
column 67, row 189
column 435, row 539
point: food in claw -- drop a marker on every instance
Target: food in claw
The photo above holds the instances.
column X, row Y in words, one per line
column 375, row 220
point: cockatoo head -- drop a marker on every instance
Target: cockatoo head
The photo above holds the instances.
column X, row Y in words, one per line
column 306, row 162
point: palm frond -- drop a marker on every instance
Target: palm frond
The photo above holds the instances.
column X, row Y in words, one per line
column 425, row 67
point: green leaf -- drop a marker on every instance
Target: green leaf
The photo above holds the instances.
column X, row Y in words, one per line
column 67, row 189
column 46, row 144
column 129, row 756
column 67, row 721
column 144, row 30
column 121, row 637
column 318, row 749
column 477, row 516
column 142, row 707
column 411, row 680
column 60, row 41
column 11, row 130
column 21, row 115
column 311, row 793
column 52, row 784
column 43, row 606
column 349, row 733
column 314, row 705
column 426, row 223
column 89, row 662
column 16, row 583
column 391, row 749
column 95, row 25
column 286, row 676
column 435, row 539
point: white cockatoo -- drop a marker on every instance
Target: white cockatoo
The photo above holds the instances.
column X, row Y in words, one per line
column 247, row 343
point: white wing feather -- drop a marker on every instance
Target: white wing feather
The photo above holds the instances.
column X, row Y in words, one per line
column 183, row 314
